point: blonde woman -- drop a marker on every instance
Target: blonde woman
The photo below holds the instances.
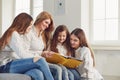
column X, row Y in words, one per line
column 39, row 37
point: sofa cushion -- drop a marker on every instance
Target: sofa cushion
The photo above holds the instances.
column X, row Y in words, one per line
column 12, row 76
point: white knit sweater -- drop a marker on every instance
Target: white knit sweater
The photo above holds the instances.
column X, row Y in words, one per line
column 19, row 47
column 36, row 42
column 87, row 71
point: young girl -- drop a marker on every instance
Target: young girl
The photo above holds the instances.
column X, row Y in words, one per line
column 60, row 43
column 15, row 56
column 83, row 52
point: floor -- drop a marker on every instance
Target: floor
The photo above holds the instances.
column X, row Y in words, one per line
column 111, row 77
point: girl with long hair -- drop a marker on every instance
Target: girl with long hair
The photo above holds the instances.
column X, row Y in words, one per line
column 82, row 51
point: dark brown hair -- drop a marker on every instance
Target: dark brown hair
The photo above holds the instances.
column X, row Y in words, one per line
column 54, row 41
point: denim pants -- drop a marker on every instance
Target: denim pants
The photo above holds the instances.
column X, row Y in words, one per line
column 66, row 73
column 70, row 75
column 35, row 74
column 60, row 72
column 56, row 71
column 36, row 69
column 76, row 74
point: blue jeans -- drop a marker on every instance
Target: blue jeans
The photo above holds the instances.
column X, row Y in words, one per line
column 26, row 66
column 66, row 74
column 76, row 74
column 35, row 74
column 70, row 75
column 56, row 71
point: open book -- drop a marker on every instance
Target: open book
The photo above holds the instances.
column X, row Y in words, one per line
column 69, row 62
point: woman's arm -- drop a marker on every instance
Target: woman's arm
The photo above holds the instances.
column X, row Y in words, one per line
column 18, row 45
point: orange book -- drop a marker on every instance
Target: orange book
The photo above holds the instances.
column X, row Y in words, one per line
column 69, row 62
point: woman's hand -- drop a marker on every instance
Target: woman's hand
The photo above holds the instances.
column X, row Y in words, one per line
column 47, row 53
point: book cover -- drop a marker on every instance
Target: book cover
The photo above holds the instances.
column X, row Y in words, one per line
column 69, row 62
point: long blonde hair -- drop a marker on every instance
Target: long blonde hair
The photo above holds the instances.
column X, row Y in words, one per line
column 79, row 33
column 48, row 32
column 19, row 24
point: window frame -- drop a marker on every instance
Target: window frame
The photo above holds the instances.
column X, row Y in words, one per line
column 105, row 44
column 31, row 8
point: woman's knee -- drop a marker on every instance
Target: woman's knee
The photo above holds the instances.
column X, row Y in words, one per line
column 36, row 74
column 41, row 62
column 55, row 67
column 64, row 68
column 70, row 75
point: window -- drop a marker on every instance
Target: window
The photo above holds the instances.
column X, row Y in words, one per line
column 105, row 22
column 33, row 7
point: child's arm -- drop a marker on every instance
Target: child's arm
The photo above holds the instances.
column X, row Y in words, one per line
column 88, row 64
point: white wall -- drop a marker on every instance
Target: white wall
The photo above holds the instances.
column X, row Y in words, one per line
column 72, row 15
column 7, row 13
column 108, row 62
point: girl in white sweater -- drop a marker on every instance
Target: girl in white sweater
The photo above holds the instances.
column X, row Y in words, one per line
column 83, row 52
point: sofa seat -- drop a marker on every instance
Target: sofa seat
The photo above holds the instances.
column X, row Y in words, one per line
column 12, row 76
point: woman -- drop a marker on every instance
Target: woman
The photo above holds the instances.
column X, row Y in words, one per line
column 39, row 37
column 20, row 59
